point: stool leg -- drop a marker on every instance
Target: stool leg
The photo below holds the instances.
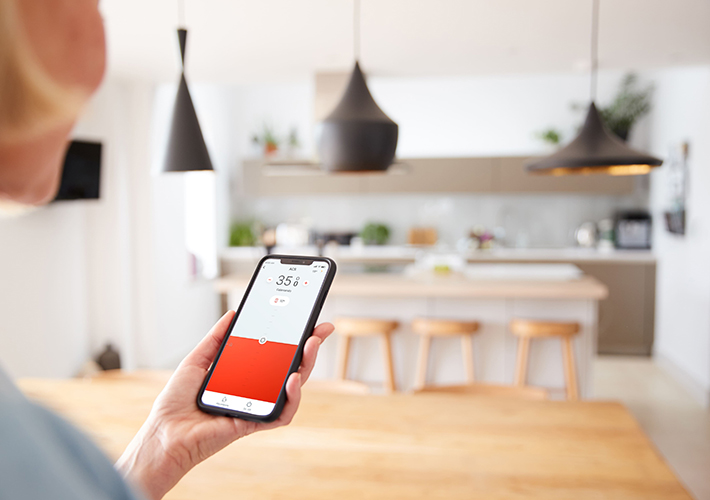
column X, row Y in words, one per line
column 341, row 370
column 423, row 362
column 570, row 370
column 467, row 353
column 521, row 366
column 389, row 368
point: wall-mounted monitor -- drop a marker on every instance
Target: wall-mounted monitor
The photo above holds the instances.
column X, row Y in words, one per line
column 81, row 174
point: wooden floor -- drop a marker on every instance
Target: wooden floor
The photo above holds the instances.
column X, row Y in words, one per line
column 399, row 446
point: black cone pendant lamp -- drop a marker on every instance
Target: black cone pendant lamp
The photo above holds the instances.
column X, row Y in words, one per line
column 595, row 149
column 357, row 136
column 187, row 151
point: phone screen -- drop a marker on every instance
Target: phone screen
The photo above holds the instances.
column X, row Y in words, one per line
column 254, row 363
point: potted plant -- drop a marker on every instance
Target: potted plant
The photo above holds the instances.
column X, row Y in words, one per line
column 551, row 136
column 293, row 143
column 270, row 141
column 375, row 234
column 267, row 140
column 630, row 104
column 241, row 234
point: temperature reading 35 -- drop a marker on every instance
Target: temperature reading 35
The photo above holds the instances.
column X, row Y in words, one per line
column 288, row 280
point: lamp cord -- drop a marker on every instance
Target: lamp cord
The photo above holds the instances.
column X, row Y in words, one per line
column 181, row 13
column 595, row 47
column 356, row 29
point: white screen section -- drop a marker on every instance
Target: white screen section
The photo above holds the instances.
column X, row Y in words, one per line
column 280, row 301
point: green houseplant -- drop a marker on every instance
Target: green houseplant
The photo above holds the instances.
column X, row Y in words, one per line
column 267, row 139
column 375, row 234
column 241, row 234
column 630, row 104
column 550, row 136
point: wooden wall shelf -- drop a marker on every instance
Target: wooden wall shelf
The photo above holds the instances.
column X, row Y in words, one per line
column 435, row 175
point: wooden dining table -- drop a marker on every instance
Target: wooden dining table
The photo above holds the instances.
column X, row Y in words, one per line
column 434, row 446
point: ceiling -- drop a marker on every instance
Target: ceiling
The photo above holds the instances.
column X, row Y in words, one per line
column 271, row 40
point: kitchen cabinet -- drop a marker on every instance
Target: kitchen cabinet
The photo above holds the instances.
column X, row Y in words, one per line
column 431, row 175
column 511, row 177
column 626, row 316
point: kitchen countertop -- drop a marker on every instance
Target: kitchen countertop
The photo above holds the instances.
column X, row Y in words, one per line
column 392, row 254
column 401, row 285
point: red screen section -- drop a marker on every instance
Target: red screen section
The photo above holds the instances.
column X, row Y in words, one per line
column 252, row 370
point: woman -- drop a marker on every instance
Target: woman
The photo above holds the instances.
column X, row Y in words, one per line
column 52, row 58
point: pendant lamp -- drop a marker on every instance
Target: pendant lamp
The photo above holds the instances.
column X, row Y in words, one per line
column 357, row 136
column 596, row 149
column 187, row 151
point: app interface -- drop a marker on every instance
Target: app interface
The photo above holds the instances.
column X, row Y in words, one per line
column 255, row 361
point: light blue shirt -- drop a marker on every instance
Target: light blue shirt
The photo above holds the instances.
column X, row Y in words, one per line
column 44, row 457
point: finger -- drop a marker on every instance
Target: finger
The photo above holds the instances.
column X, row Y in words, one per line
column 323, row 331
column 205, row 352
column 293, row 399
column 310, row 353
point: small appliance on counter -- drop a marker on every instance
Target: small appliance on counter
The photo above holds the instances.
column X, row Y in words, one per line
column 422, row 236
column 633, row 231
column 321, row 238
column 586, row 235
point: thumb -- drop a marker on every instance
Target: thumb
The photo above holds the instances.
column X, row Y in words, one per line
column 205, row 352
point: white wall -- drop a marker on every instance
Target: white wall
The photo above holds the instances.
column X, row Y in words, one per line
column 112, row 119
column 43, row 292
column 485, row 116
column 682, row 113
column 63, row 289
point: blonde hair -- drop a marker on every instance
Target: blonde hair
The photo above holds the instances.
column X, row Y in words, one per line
column 31, row 102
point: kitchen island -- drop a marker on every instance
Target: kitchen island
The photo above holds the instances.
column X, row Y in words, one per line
column 492, row 302
column 626, row 315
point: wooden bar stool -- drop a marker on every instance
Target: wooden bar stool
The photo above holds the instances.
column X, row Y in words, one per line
column 428, row 328
column 526, row 330
column 348, row 328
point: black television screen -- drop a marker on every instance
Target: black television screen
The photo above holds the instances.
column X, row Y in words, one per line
column 81, row 174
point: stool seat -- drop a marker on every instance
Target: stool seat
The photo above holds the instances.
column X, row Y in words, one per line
column 348, row 328
column 528, row 329
column 443, row 327
column 428, row 329
column 363, row 327
column 538, row 329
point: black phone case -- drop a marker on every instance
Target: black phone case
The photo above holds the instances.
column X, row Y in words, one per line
column 312, row 320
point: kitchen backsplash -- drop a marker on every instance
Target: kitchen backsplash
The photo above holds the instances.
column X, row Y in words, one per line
column 531, row 221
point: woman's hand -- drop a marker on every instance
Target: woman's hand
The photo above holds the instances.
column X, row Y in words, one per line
column 177, row 435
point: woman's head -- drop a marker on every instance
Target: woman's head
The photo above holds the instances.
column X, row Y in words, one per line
column 52, row 58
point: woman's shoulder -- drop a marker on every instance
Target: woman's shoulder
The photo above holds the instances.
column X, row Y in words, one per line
column 43, row 456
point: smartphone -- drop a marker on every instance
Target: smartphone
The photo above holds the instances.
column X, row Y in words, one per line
column 264, row 343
